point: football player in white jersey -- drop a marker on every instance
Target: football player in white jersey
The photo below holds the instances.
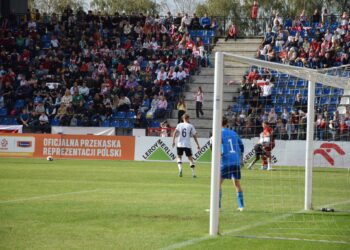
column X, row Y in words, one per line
column 185, row 131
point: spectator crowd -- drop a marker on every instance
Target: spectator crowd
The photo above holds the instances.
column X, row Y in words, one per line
column 83, row 68
column 320, row 42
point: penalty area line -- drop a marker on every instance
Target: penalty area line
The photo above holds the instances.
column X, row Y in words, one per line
column 240, row 229
column 43, row 197
column 291, row 239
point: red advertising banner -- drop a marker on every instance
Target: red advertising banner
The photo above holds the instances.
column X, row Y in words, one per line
column 68, row 146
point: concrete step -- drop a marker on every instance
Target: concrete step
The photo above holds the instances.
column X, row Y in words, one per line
column 210, row 79
column 198, row 123
column 208, row 104
column 229, row 71
column 209, row 96
column 192, row 113
column 191, row 89
column 249, row 52
column 239, row 41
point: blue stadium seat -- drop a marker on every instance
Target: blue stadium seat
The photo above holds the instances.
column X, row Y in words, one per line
column 115, row 123
column 155, row 124
column 291, row 100
column 206, row 40
column 301, row 83
column 274, row 99
column 274, row 91
column 284, row 75
column 289, row 108
column 286, row 91
column 211, row 33
column 55, row 122
column 278, row 109
column 327, row 91
column 105, row 123
column 337, row 92
column 332, row 108
column 201, row 33
column 291, row 83
column 293, row 32
column 19, row 104
column 132, row 124
column 324, row 100
column 334, row 100
column 319, row 91
column 131, row 115
column 281, row 99
column 304, row 92
column 299, row 64
column 119, row 115
column 294, row 92
column 193, row 33
column 3, row 112
column 124, row 124
column 9, row 121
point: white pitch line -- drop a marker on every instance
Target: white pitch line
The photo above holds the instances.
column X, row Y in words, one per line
column 48, row 196
column 292, row 239
column 250, row 226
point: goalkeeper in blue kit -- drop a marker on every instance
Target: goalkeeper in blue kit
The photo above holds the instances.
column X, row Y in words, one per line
column 231, row 150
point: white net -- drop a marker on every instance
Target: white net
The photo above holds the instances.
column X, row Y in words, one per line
column 278, row 94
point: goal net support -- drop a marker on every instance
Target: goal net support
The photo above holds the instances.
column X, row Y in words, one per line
column 328, row 77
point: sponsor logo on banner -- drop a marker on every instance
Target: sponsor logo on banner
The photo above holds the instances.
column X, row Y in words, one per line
column 251, row 154
column 327, row 148
column 159, row 151
column 24, row 144
column 204, row 153
column 3, row 144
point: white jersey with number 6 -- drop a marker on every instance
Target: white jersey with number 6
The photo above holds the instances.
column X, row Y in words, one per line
column 185, row 132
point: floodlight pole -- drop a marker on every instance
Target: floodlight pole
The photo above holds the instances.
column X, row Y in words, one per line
column 216, row 147
column 309, row 160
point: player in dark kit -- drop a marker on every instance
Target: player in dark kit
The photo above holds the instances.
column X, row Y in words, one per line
column 259, row 152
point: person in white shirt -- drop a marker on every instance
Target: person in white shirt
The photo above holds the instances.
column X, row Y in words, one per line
column 181, row 76
column 267, row 92
column 161, row 77
column 44, row 123
column 199, row 101
column 185, row 131
column 186, row 20
column 84, row 90
column 67, row 98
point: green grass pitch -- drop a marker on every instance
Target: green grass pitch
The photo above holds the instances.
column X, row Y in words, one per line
column 74, row 204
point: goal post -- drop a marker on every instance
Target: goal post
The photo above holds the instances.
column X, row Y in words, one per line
column 312, row 77
column 309, row 159
column 216, row 141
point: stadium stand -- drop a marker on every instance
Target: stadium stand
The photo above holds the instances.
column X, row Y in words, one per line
column 310, row 44
column 82, row 69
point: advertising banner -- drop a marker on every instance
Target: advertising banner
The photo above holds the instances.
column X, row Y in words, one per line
column 285, row 153
column 69, row 146
column 148, row 148
column 16, row 145
column 151, row 148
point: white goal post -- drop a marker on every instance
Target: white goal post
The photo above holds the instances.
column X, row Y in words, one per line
column 313, row 77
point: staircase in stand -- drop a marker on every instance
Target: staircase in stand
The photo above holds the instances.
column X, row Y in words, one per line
column 233, row 71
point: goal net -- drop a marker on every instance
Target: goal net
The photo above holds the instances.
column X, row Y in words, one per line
column 309, row 113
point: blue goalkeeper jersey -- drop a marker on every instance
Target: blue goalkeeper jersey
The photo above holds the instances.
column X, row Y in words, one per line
column 231, row 148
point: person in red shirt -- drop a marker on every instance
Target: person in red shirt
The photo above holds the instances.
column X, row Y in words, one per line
column 268, row 143
column 315, row 45
column 232, row 32
column 255, row 9
column 253, row 75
